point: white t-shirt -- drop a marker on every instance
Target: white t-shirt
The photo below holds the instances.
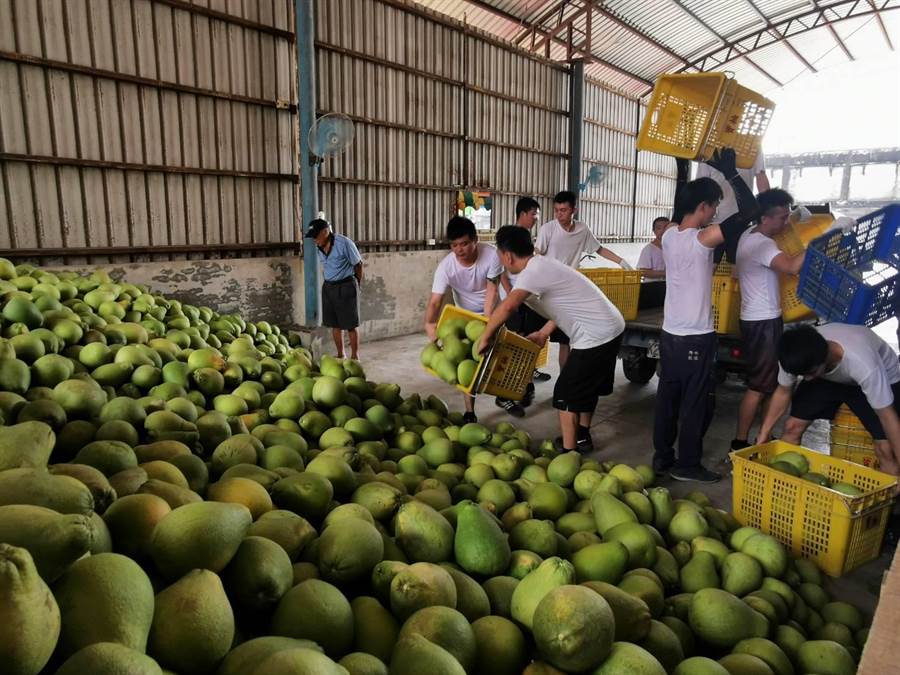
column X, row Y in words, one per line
column 512, row 282
column 728, row 205
column 760, row 288
column 868, row 362
column 652, row 258
column 689, row 268
column 567, row 247
column 572, row 301
column 468, row 283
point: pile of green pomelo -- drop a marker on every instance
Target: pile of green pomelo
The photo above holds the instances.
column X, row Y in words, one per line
column 186, row 492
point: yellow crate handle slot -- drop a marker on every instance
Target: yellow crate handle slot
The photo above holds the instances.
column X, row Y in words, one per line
column 483, row 375
column 725, row 89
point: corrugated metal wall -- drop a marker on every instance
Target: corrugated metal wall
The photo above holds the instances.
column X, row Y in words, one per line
column 140, row 129
column 147, row 124
column 636, row 187
column 655, row 189
column 436, row 108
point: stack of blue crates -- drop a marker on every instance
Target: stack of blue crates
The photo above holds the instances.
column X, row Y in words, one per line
column 853, row 278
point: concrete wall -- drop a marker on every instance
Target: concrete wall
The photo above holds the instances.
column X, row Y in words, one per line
column 257, row 288
column 392, row 302
column 395, row 292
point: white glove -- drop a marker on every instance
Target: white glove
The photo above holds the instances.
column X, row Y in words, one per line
column 624, row 265
column 845, row 224
column 800, row 214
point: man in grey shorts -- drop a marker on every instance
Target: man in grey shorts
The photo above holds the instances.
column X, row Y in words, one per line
column 759, row 262
column 342, row 269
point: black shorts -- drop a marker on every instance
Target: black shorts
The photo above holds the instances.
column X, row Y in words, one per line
column 820, row 400
column 559, row 337
column 760, row 340
column 340, row 304
column 587, row 375
column 525, row 321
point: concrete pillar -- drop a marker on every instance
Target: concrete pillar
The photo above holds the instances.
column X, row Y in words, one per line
column 576, row 122
column 786, row 178
column 845, row 182
column 309, row 183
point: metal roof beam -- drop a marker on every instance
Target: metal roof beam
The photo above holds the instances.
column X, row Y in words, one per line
column 716, row 34
column 802, row 59
column 577, row 51
column 763, row 71
column 814, row 19
column 634, row 31
column 691, row 13
column 787, row 42
column 558, row 7
column 840, row 42
column 834, row 33
column 884, row 32
column 549, row 34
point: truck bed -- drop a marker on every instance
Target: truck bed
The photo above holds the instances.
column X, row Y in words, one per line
column 647, row 319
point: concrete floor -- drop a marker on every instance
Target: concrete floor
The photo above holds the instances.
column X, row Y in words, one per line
column 622, row 430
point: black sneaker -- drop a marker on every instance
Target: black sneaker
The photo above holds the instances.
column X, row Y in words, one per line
column 514, row 408
column 541, row 377
column 697, row 474
column 528, row 398
column 584, row 445
column 661, row 466
column 469, row 417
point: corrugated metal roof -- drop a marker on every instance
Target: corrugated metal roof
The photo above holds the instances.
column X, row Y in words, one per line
column 634, row 41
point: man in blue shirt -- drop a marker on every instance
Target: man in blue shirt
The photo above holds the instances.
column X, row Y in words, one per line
column 343, row 271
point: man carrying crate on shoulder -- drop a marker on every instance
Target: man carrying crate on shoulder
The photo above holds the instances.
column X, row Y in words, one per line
column 578, row 307
column 471, row 270
column 566, row 240
column 838, row 364
column 758, row 263
column 685, row 396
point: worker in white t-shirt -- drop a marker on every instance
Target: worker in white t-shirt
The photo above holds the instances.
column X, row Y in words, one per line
column 758, row 265
column 472, row 271
column 567, row 240
column 526, row 320
column 651, row 261
column 756, row 174
column 572, row 302
column 685, row 396
column 838, row 364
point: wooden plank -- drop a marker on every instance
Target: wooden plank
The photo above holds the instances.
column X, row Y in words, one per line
column 879, row 656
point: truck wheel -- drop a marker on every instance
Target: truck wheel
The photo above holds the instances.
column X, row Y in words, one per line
column 639, row 369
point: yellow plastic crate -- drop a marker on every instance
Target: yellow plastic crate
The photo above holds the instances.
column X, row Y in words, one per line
column 793, row 240
column 691, row 115
column 850, row 440
column 543, row 356
column 506, row 369
column 622, row 287
column 837, row 532
column 726, row 301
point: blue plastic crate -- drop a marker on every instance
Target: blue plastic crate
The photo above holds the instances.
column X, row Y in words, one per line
column 853, row 278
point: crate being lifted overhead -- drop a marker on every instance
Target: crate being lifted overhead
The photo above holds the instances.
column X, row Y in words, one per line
column 854, row 277
column 690, row 115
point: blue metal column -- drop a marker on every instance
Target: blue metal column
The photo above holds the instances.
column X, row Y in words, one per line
column 576, row 122
column 309, row 183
